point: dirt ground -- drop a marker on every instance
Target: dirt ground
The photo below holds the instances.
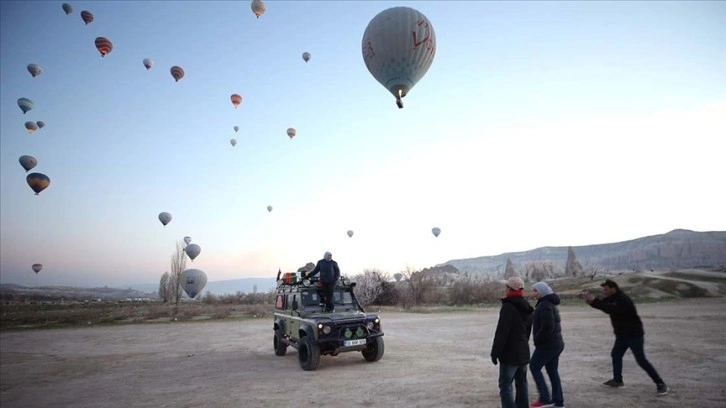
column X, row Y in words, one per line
column 431, row 360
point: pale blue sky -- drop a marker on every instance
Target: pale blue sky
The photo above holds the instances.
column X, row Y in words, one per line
column 564, row 123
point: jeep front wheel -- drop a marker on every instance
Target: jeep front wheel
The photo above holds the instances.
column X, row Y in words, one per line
column 374, row 350
column 279, row 346
column 308, row 354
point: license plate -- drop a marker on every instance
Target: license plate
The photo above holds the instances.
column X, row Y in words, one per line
column 350, row 343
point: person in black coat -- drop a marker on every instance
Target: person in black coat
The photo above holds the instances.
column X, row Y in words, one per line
column 628, row 330
column 548, row 345
column 511, row 345
column 329, row 275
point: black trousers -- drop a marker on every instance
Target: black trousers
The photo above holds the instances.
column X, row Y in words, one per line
column 326, row 292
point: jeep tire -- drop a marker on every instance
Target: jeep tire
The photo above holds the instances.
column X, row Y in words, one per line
column 374, row 350
column 278, row 345
column 308, row 353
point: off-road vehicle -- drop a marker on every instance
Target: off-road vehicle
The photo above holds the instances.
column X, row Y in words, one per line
column 300, row 322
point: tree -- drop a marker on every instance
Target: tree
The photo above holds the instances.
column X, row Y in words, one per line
column 419, row 284
column 572, row 267
column 164, row 287
column 369, row 285
column 509, row 271
column 178, row 265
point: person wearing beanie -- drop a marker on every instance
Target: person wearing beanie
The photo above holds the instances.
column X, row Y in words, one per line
column 548, row 345
column 511, row 344
column 629, row 333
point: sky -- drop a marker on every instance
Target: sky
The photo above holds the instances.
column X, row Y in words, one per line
column 538, row 124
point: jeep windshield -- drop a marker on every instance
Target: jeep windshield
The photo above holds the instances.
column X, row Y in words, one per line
column 312, row 301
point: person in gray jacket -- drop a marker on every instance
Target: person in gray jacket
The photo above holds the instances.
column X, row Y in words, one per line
column 548, row 343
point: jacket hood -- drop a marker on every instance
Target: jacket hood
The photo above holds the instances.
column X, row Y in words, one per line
column 520, row 303
column 553, row 298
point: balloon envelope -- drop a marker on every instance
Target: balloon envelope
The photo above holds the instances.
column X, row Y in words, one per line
column 306, row 56
column 291, row 132
column 269, row 208
column 177, row 72
column 192, row 251
column 436, row 231
column 398, row 48
column 236, row 99
column 148, row 63
column 103, row 45
column 38, row 182
column 397, row 276
column 233, row 142
column 28, row 162
column 236, row 128
column 37, row 267
column 350, row 233
column 165, row 218
column 31, row 127
column 40, row 124
column 87, row 16
column 67, row 8
column 193, row 281
column 187, row 240
column 25, row 104
column 35, row 70
column 258, row 7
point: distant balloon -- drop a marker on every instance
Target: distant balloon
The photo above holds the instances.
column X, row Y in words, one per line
column 258, row 7
column 31, row 126
column 177, row 72
column 193, row 281
column 436, row 231
column 398, row 47
column 192, row 251
column 148, row 63
column 233, row 142
column 67, row 8
column 165, row 218
column 350, row 233
column 291, row 132
column 40, row 124
column 306, row 56
column 103, row 45
column 236, row 129
column 397, row 276
column 37, row 267
column 236, row 99
column 269, row 208
column 87, row 16
column 187, row 240
column 35, row 70
column 25, row 104
column 38, row 182
column 28, row 162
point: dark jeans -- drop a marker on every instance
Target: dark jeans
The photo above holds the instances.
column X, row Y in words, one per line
column 549, row 358
column 636, row 345
column 326, row 292
column 518, row 374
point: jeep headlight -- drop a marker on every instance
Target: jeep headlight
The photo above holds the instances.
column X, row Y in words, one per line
column 324, row 328
column 369, row 325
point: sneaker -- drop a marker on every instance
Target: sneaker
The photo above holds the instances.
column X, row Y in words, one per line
column 540, row 404
column 614, row 384
column 662, row 389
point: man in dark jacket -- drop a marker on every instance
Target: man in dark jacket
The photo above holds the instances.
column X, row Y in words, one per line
column 329, row 275
column 511, row 344
column 628, row 330
column 548, row 345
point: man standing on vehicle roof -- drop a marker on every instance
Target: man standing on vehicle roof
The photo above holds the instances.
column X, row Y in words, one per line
column 329, row 275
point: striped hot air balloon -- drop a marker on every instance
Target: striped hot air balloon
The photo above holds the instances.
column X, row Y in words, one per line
column 38, row 182
column 177, row 72
column 291, row 132
column 103, row 45
column 87, row 17
column 25, row 104
column 236, row 99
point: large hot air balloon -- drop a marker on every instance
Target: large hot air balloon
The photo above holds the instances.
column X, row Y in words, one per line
column 148, row 63
column 233, row 142
column 103, row 45
column 177, row 72
column 40, row 124
column 399, row 45
column 165, row 218
column 193, row 281
column 350, row 233
column 269, row 208
column 436, row 231
column 31, row 126
column 397, row 276
column 306, row 56
column 236, row 129
column 37, row 267
column 35, row 70
column 25, row 104
column 192, row 251
column 38, row 182
column 258, row 7
column 28, row 162
column 87, row 16
column 67, row 8
column 236, row 100
column 187, row 240
column 291, row 132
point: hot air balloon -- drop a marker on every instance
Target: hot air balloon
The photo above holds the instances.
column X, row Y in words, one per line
column 35, row 70
column 306, row 56
column 40, row 124
column 165, row 218
column 187, row 240
column 291, row 132
column 28, row 162
column 397, row 276
column 87, row 16
column 192, row 251
column 67, row 8
column 233, row 142
column 236, row 100
column 37, row 267
column 177, row 72
column 148, row 63
column 38, row 182
column 193, row 281
column 350, row 233
column 398, row 46
column 103, row 45
column 236, row 129
column 269, row 208
column 436, row 231
column 25, row 104
column 31, row 126
column 258, row 7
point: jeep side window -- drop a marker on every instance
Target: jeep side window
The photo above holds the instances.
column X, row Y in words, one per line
column 280, row 302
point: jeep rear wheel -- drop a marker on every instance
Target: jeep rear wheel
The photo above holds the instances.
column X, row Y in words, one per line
column 374, row 350
column 308, row 353
column 278, row 345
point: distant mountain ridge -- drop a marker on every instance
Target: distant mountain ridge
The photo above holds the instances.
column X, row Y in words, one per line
column 676, row 249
